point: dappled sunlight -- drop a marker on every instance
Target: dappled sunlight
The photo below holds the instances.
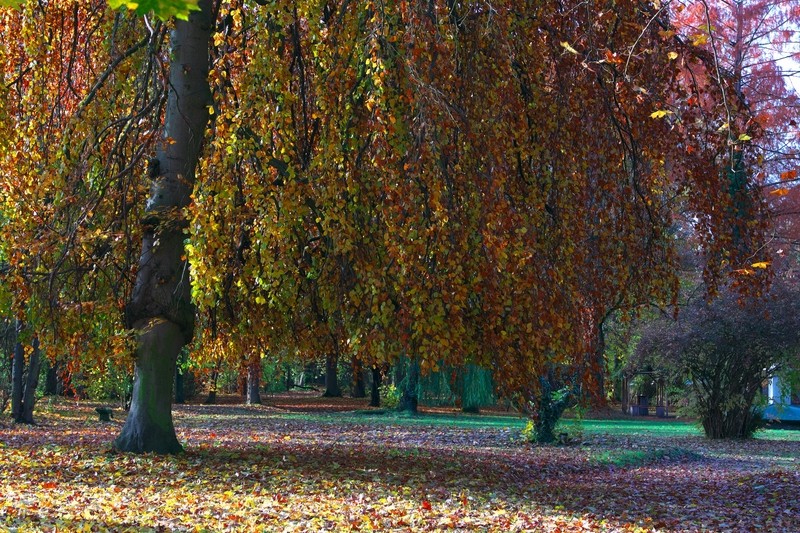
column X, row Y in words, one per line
column 255, row 468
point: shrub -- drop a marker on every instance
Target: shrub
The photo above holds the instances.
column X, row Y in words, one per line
column 723, row 351
column 390, row 396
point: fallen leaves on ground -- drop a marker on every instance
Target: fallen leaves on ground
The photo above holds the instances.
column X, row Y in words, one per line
column 257, row 469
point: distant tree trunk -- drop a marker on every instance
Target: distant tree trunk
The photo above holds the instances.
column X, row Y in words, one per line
column 289, row 378
column 17, row 374
column 332, row 389
column 31, row 382
column 52, row 384
column 409, row 401
column 375, row 392
column 180, row 379
column 24, row 382
column 359, row 388
column 212, row 391
column 253, row 381
column 160, row 309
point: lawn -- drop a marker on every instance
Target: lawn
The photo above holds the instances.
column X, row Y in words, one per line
column 278, row 468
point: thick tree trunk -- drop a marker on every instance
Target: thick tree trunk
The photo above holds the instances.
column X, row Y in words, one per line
column 52, row 384
column 254, row 381
column 31, row 382
column 24, row 381
column 375, row 392
column 148, row 427
column 409, row 400
column 160, row 308
column 332, row 389
column 359, row 388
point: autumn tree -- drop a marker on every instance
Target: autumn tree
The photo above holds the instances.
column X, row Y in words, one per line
column 444, row 182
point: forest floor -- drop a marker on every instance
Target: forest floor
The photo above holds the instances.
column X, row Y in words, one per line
column 302, row 463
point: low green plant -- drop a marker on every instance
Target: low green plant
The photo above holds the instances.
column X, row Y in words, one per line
column 390, row 396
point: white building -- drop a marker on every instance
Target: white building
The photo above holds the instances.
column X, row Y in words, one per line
column 783, row 406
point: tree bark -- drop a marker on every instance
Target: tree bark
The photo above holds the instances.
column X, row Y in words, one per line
column 148, row 427
column 254, row 381
column 289, row 378
column 17, row 374
column 160, row 308
column 52, row 384
column 375, row 392
column 211, row 399
column 31, row 382
column 409, row 400
column 359, row 389
column 332, row 389
column 180, row 379
column 24, row 381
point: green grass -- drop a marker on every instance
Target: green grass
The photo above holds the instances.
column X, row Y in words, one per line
column 625, row 427
column 631, row 458
column 633, row 428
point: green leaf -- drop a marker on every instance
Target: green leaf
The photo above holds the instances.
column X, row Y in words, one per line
column 744, row 137
column 163, row 9
column 11, row 3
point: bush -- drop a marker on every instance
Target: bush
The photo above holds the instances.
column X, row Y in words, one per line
column 390, row 396
column 724, row 350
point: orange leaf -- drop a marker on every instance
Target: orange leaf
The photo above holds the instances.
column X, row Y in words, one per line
column 426, row 505
column 49, row 485
column 789, row 175
column 783, row 191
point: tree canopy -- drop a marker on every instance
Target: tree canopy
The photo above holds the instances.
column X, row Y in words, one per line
column 453, row 182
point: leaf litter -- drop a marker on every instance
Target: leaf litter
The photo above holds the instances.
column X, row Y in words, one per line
column 263, row 469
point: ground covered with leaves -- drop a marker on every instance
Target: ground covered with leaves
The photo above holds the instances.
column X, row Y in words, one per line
column 288, row 467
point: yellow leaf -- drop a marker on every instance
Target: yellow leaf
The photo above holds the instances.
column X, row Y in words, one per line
column 661, row 113
column 568, row 48
column 724, row 127
column 672, row 55
column 744, row 137
column 760, row 264
column 700, row 39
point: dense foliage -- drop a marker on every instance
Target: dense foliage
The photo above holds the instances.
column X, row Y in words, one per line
column 454, row 183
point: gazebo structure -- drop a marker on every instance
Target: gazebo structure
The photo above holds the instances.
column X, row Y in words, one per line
column 637, row 403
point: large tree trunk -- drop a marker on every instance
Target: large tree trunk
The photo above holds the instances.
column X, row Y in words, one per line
column 254, row 381
column 375, row 396
column 31, row 382
column 53, row 385
column 359, row 388
column 148, row 427
column 332, row 389
column 160, row 308
column 409, row 400
column 24, row 382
